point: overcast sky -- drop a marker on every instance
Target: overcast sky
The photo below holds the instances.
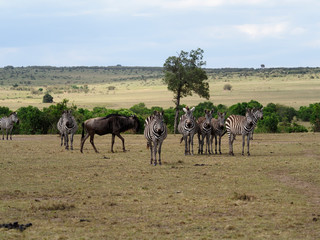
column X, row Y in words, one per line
column 232, row 33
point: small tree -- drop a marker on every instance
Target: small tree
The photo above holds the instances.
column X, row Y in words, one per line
column 47, row 98
column 184, row 75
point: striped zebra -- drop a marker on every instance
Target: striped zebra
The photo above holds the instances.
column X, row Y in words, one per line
column 67, row 125
column 6, row 123
column 240, row 125
column 257, row 114
column 217, row 130
column 188, row 127
column 204, row 131
column 155, row 132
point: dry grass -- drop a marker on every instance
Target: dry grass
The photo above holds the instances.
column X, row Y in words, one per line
column 273, row 194
column 292, row 90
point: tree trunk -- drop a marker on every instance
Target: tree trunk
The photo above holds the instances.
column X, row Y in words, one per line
column 176, row 118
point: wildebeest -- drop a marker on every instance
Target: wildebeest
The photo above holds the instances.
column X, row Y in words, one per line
column 6, row 123
column 113, row 123
column 67, row 125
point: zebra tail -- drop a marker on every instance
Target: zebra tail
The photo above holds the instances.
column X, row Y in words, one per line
column 224, row 133
column 148, row 145
column 82, row 131
column 181, row 139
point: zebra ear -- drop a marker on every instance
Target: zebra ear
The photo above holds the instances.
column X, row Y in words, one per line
column 192, row 109
column 185, row 110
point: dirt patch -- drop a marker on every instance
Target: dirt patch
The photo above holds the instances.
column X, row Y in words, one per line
column 306, row 188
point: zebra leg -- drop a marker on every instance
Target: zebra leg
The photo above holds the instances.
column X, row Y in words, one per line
column 7, row 133
column 216, row 143
column 151, row 151
column 66, row 141
column 82, row 141
column 185, row 139
column 231, row 139
column 159, row 150
column 219, row 145
column 243, row 143
column 10, row 133
column 71, row 141
column 191, row 143
column 155, row 152
column 62, row 136
column 248, row 143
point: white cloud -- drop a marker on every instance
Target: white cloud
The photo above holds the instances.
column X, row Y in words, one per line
column 256, row 31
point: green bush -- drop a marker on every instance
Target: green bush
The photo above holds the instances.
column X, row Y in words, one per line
column 47, row 98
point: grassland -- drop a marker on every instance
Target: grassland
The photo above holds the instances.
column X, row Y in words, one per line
column 135, row 85
column 273, row 194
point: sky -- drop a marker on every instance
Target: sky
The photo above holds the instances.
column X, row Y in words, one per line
column 232, row 33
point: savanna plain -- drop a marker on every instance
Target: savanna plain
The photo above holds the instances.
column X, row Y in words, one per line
column 272, row 194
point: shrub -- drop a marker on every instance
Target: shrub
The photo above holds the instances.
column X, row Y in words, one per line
column 47, row 98
column 227, row 87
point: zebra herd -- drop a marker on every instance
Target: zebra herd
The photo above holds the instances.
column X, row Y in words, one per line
column 155, row 131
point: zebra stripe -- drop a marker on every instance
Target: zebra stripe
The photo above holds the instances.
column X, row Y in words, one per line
column 257, row 115
column 204, row 131
column 155, row 132
column 6, row 123
column 67, row 125
column 188, row 128
column 240, row 125
column 217, row 130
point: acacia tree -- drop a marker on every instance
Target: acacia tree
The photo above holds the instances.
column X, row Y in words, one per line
column 184, row 76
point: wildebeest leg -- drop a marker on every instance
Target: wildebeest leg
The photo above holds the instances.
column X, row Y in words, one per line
column 83, row 140
column 92, row 142
column 122, row 139
column 112, row 142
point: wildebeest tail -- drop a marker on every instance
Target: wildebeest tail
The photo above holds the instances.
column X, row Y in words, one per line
column 224, row 133
column 181, row 139
column 82, row 130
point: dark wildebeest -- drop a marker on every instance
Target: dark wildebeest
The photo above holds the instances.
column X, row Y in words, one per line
column 113, row 123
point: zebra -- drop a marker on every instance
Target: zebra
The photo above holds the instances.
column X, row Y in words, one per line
column 155, row 132
column 204, row 131
column 217, row 130
column 67, row 125
column 188, row 128
column 258, row 114
column 240, row 125
column 6, row 123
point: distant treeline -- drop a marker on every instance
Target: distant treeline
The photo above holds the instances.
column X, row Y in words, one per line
column 50, row 75
column 277, row 118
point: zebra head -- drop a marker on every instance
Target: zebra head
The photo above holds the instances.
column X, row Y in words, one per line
column 67, row 118
column 221, row 119
column 158, row 126
column 189, row 120
column 258, row 113
column 14, row 117
column 249, row 117
column 208, row 117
